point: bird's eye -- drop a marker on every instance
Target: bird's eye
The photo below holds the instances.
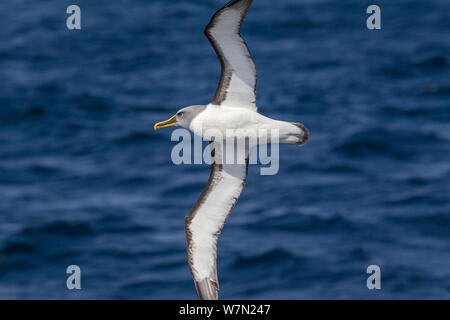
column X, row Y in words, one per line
column 180, row 114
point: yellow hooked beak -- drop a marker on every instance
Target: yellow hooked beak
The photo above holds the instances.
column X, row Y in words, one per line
column 169, row 122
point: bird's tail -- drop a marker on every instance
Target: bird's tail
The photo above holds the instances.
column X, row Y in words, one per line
column 293, row 133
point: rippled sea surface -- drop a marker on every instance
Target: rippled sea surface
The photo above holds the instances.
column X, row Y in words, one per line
column 85, row 180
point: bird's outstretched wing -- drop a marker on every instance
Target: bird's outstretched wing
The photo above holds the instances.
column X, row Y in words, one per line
column 205, row 221
column 237, row 86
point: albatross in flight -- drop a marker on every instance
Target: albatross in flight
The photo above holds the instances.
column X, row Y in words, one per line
column 233, row 107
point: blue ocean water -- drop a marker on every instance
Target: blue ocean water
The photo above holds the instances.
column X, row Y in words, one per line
column 85, row 180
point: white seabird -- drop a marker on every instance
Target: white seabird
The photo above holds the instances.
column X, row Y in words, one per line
column 233, row 107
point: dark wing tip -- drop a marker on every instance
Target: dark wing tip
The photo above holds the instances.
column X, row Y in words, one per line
column 239, row 3
column 235, row 4
column 206, row 289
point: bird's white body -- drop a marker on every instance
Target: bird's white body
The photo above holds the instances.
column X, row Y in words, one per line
column 240, row 122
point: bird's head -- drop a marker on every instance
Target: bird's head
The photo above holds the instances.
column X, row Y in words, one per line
column 182, row 118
